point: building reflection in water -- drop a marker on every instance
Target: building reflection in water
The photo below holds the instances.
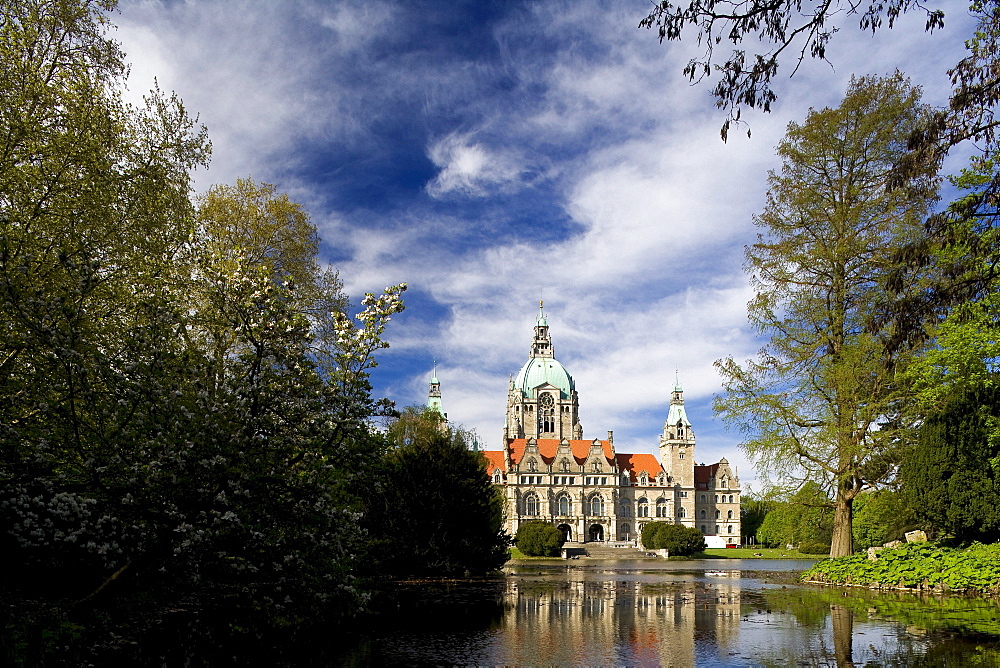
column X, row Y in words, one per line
column 605, row 622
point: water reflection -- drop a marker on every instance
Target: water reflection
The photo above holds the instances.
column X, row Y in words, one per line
column 675, row 615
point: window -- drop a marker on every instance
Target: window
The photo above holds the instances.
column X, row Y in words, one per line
column 683, row 495
column 731, row 498
column 596, row 505
column 564, row 504
column 643, row 507
column 643, row 480
column 532, row 465
column 716, row 498
column 661, row 507
column 718, row 514
column 729, row 529
column 496, row 476
column 680, row 456
column 604, row 481
column 702, row 513
column 625, row 480
column 597, row 467
column 531, row 505
column 625, row 529
column 729, row 515
column 564, row 465
column 681, row 512
column 716, row 528
column 703, row 528
column 703, row 498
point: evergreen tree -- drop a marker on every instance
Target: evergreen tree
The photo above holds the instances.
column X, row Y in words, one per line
column 431, row 509
column 951, row 478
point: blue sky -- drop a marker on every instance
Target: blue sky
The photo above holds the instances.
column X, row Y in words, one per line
column 490, row 154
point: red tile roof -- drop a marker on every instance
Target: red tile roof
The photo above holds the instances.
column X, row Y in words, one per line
column 549, row 447
column 705, row 474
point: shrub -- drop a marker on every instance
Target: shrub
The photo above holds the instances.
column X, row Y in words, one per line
column 679, row 540
column 813, row 547
column 539, row 539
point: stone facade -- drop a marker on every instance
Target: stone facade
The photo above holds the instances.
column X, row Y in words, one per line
column 548, row 471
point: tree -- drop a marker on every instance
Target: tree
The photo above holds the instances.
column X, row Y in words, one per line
column 823, row 398
column 431, row 509
column 881, row 516
column 678, row 540
column 142, row 469
column 790, row 30
column 804, row 518
column 539, row 539
column 951, row 479
column 752, row 513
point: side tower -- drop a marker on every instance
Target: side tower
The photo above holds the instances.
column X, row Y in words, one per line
column 677, row 441
column 434, row 396
column 541, row 400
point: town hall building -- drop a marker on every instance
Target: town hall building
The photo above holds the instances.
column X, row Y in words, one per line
column 588, row 489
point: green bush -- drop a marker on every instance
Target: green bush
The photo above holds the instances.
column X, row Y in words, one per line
column 813, row 547
column 539, row 539
column 679, row 540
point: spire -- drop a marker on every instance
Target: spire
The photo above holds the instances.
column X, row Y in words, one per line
column 677, row 413
column 434, row 394
column 542, row 345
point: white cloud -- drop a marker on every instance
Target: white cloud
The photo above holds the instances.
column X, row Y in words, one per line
column 470, row 168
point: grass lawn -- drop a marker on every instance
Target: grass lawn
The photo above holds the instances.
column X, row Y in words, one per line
column 514, row 553
column 753, row 552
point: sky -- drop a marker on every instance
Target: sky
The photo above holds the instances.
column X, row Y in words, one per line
column 493, row 154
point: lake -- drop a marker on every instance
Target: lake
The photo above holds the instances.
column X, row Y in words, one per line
column 670, row 613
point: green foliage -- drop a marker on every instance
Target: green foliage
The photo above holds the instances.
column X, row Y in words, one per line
column 950, row 478
column 431, row 509
column 539, row 539
column 806, row 517
column 879, row 517
column 678, row 540
column 812, row 547
column 822, row 397
column 916, row 565
column 181, row 423
column 752, row 512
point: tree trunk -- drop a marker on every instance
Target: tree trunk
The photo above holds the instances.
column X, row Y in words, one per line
column 842, row 544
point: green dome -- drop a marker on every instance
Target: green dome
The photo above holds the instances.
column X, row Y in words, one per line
column 540, row 370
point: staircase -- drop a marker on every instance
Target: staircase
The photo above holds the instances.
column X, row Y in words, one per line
column 606, row 551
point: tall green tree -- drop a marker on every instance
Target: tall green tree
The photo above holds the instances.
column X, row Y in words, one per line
column 138, row 457
column 432, row 510
column 822, row 398
column 951, row 479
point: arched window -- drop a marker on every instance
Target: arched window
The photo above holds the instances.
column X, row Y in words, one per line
column 626, row 508
column 496, row 476
column 532, row 465
column 643, row 480
column 661, row 507
column 729, row 529
column 731, row 498
column 716, row 528
column 643, row 507
column 716, row 498
column 681, row 512
column 625, row 529
column 531, row 505
column 596, row 505
column 729, row 515
column 703, row 528
column 703, row 513
column 564, row 504
column 564, row 464
column 703, row 498
column 718, row 514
